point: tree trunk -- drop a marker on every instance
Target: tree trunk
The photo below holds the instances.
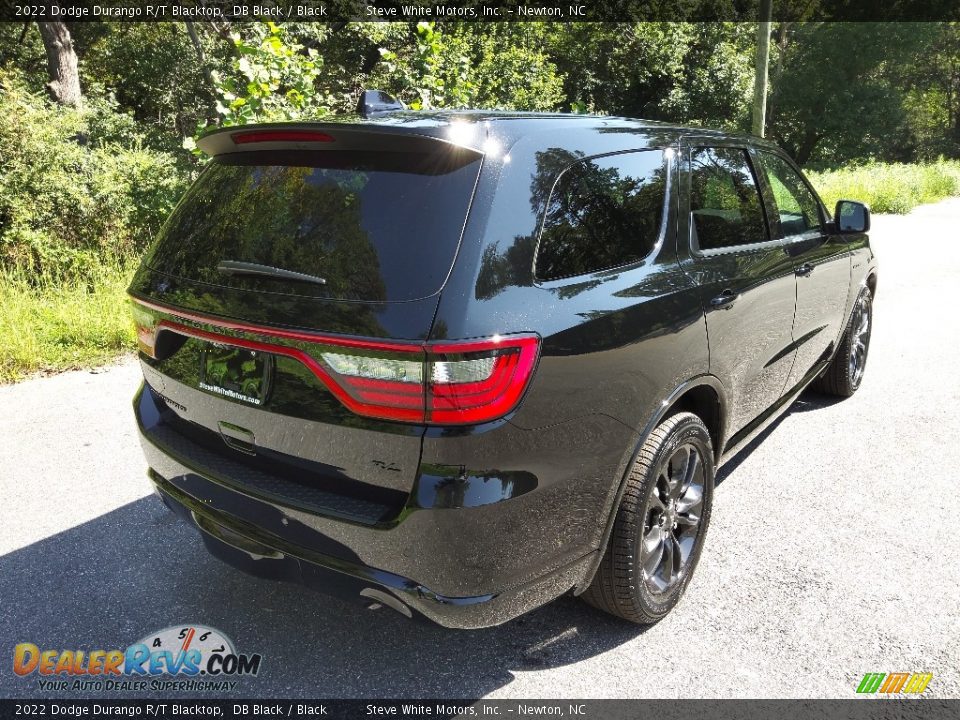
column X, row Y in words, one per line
column 64, row 82
column 777, row 72
column 806, row 147
column 760, row 69
column 198, row 47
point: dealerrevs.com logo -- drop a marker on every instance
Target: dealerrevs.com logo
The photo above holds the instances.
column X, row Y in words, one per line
column 187, row 658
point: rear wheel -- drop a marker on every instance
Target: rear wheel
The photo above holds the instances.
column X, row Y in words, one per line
column 845, row 372
column 660, row 524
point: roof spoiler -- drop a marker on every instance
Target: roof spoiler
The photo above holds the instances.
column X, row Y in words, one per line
column 322, row 136
column 376, row 102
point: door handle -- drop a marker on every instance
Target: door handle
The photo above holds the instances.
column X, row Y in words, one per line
column 804, row 270
column 724, row 300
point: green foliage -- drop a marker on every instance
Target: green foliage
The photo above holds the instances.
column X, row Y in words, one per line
column 52, row 325
column 682, row 72
column 76, row 186
column 931, row 85
column 508, row 66
column 272, row 79
column 436, row 73
column 890, row 187
column 21, row 49
column 153, row 73
column 478, row 65
column 833, row 96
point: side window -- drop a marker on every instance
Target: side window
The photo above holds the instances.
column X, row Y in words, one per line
column 798, row 208
column 725, row 208
column 602, row 213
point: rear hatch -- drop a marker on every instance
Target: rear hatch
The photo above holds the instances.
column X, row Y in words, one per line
column 283, row 309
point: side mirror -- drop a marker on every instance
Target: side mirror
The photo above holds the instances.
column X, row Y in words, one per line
column 851, row 216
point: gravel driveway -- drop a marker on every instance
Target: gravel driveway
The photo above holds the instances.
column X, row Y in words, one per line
column 832, row 551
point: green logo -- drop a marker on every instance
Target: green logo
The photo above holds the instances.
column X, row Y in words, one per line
column 913, row 683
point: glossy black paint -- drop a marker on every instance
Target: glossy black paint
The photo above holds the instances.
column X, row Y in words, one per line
column 470, row 526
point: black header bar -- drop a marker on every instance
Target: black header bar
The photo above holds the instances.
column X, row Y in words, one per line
column 476, row 10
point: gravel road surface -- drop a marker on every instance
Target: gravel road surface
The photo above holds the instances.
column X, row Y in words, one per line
column 833, row 549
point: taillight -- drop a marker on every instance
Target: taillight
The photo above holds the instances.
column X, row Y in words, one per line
column 376, row 385
column 258, row 136
column 479, row 381
column 455, row 383
column 439, row 383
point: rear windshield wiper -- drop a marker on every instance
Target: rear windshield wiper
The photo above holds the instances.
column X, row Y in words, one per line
column 234, row 267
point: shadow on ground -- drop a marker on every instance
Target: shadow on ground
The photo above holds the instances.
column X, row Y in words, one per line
column 807, row 402
column 108, row 582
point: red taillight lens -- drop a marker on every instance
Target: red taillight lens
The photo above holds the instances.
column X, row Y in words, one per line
column 378, row 384
column 476, row 382
column 258, row 136
column 448, row 384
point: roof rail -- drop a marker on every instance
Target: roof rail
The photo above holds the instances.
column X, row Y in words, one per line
column 377, row 102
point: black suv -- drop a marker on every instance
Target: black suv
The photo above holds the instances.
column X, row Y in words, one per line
column 459, row 364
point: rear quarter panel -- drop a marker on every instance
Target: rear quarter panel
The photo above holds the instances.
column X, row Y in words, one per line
column 615, row 345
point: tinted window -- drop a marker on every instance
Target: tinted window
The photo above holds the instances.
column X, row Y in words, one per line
column 725, row 207
column 603, row 212
column 374, row 226
column 797, row 207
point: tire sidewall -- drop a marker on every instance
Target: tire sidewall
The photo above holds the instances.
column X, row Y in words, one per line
column 689, row 430
column 866, row 297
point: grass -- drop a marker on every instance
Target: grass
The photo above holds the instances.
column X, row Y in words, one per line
column 890, row 187
column 49, row 327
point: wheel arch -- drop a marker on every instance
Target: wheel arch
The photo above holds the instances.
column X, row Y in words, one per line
column 706, row 402
column 705, row 397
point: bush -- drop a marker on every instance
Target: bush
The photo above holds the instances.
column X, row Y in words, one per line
column 76, row 189
column 890, row 188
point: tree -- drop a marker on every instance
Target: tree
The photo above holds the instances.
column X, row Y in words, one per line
column 696, row 73
column 932, row 85
column 273, row 78
column 64, row 83
column 835, row 96
column 478, row 65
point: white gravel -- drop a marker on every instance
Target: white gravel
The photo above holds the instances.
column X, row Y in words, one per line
column 832, row 551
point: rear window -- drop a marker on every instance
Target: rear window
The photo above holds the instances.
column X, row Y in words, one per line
column 374, row 226
column 604, row 212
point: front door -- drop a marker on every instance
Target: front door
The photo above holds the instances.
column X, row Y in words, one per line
column 821, row 264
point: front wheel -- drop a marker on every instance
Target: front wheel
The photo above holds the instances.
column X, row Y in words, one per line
column 660, row 524
column 845, row 372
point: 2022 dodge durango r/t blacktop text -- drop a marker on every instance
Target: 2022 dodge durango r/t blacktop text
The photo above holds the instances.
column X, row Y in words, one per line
column 462, row 363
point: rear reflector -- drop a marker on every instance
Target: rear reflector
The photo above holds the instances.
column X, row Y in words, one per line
column 437, row 383
column 258, row 136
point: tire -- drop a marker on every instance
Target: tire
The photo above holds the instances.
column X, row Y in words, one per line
column 624, row 584
column 845, row 372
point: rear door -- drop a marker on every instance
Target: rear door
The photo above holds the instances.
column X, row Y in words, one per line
column 746, row 279
column 822, row 266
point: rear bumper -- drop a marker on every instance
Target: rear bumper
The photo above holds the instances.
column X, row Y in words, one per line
column 445, row 563
column 247, row 549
